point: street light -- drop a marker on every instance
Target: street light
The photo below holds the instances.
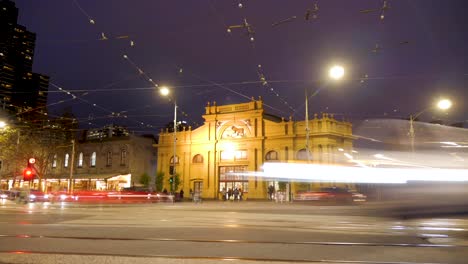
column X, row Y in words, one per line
column 2, row 124
column 336, row 72
column 442, row 104
column 165, row 92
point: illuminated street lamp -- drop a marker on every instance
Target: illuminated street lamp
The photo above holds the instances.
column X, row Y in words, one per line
column 442, row 104
column 165, row 92
column 336, row 72
column 2, row 124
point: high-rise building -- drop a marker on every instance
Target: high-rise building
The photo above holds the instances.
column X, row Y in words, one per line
column 21, row 90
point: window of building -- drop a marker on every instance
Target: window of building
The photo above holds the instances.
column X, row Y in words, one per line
column 241, row 155
column 54, row 161
column 302, row 155
column 65, row 162
column 80, row 160
column 123, row 157
column 93, row 159
column 236, row 155
column 176, row 160
column 197, row 159
column 109, row 158
column 271, row 155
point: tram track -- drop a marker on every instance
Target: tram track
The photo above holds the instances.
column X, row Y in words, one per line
column 237, row 251
column 188, row 259
column 236, row 241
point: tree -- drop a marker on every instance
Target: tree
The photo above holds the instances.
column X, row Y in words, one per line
column 176, row 184
column 17, row 145
column 145, row 179
column 159, row 181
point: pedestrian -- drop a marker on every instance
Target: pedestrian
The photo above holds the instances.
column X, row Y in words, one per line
column 223, row 193
column 181, row 194
column 271, row 191
column 240, row 194
column 229, row 194
column 236, row 194
column 165, row 191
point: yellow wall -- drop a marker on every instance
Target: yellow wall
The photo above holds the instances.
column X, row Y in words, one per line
column 245, row 128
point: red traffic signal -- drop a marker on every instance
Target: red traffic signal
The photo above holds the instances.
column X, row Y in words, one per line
column 28, row 174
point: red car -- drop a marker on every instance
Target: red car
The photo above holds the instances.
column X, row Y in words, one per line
column 330, row 194
column 38, row 196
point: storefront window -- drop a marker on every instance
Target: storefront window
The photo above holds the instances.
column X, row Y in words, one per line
column 230, row 179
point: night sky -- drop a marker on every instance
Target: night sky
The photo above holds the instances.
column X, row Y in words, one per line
column 422, row 55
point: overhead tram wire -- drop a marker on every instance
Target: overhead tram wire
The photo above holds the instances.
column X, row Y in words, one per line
column 259, row 71
column 155, row 85
column 125, row 55
column 389, row 77
column 235, row 92
column 104, row 37
column 250, row 33
column 98, row 106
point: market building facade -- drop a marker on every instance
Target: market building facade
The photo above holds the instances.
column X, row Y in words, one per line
column 239, row 138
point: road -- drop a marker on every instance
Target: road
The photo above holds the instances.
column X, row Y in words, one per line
column 209, row 232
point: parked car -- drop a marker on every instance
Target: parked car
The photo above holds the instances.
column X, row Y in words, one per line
column 331, row 194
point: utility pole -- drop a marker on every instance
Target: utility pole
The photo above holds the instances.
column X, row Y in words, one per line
column 307, row 124
column 175, row 145
column 70, row 182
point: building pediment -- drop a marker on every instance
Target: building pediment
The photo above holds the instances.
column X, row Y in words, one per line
column 235, row 129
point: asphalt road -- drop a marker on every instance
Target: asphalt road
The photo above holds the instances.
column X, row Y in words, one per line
column 211, row 232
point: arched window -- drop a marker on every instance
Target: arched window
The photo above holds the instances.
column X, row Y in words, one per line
column 123, row 156
column 93, row 159
column 65, row 162
column 302, row 155
column 109, row 158
column 54, row 161
column 271, row 155
column 80, row 159
column 176, row 160
column 197, row 159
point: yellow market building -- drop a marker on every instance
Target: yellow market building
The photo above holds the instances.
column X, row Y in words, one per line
column 239, row 138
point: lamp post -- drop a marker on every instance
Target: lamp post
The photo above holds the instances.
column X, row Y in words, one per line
column 442, row 104
column 165, row 92
column 336, row 72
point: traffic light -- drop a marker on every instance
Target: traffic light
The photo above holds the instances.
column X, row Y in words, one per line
column 171, row 179
column 28, row 174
